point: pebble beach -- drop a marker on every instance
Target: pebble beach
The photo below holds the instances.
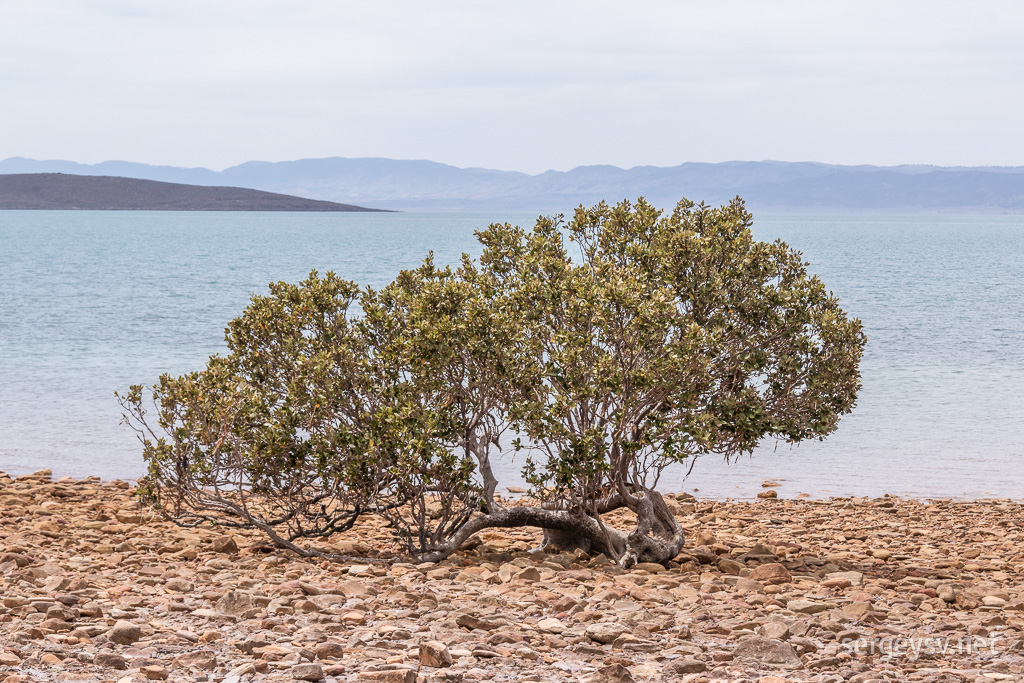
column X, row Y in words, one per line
column 94, row 587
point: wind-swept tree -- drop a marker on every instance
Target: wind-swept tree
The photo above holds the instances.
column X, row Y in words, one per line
column 615, row 345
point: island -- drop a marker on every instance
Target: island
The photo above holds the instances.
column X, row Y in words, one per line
column 63, row 191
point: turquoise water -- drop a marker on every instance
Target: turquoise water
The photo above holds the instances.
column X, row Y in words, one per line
column 91, row 302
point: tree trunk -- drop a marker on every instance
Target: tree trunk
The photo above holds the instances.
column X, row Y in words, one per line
column 657, row 537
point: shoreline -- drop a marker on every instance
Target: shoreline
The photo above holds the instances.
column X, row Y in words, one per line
column 514, row 492
column 96, row 589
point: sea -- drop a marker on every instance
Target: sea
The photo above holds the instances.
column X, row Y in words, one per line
column 92, row 302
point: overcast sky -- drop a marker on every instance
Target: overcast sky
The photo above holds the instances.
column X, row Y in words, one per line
column 518, row 85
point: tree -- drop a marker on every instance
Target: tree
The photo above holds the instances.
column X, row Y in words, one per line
column 614, row 345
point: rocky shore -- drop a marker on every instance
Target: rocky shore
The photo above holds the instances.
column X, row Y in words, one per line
column 94, row 588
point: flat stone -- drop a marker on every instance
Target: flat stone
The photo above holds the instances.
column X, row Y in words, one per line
column 124, row 633
column 551, row 625
column 234, row 603
column 806, row 606
column 224, row 544
column 329, row 651
column 471, row 622
column 605, row 632
column 434, row 653
column 773, row 573
column 307, row 672
column 767, row 651
column 613, row 673
column 200, row 659
column 110, row 660
column 392, row 676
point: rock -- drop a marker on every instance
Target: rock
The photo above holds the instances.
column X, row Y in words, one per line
column 768, row 494
column 307, row 672
column 746, row 585
column 353, row 618
column 855, row 578
column 854, row 610
column 613, row 673
column 154, row 672
column 124, row 633
column 605, row 632
column 9, row 659
column 773, row 573
column 471, row 622
column 224, row 544
column 946, row 592
column 200, row 659
column 235, row 675
column 435, row 654
column 806, row 606
column 234, row 603
column 688, row 666
column 110, row 660
column 729, row 566
column 551, row 625
column 392, row 676
column 329, row 651
column 767, row 651
column 50, row 659
column 774, row 630
column 760, row 553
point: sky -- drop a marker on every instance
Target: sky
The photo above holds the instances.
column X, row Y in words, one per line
column 526, row 86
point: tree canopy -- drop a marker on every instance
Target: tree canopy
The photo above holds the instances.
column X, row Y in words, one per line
column 603, row 349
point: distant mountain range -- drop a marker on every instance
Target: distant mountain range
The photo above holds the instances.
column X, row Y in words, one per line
column 65, row 191
column 768, row 186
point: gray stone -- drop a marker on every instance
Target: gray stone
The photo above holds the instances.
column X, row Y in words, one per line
column 767, row 651
column 605, row 632
column 435, row 654
column 307, row 672
column 124, row 633
column 110, row 660
column 806, row 606
column 234, row 603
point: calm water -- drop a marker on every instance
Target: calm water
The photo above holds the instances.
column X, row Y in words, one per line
column 91, row 302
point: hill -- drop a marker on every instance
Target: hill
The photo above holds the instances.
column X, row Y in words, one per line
column 108, row 193
column 768, row 186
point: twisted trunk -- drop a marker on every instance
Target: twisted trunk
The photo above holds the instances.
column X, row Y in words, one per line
column 657, row 537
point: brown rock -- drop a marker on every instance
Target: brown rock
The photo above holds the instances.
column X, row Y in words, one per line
column 329, row 651
column 200, row 659
column 613, row 673
column 806, row 606
column 154, row 672
column 767, row 651
column 729, row 566
column 774, row 573
column 688, row 666
column 234, row 603
column 124, row 633
column 856, row 610
column 774, row 630
column 110, row 660
column 224, row 544
column 392, row 676
column 307, row 672
column 50, row 659
column 605, row 632
column 435, row 654
column 471, row 622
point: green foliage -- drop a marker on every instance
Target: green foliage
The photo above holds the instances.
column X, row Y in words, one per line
column 615, row 344
column 661, row 337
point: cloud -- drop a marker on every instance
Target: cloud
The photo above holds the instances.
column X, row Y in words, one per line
column 527, row 85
